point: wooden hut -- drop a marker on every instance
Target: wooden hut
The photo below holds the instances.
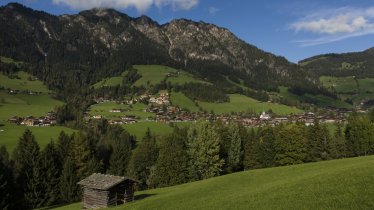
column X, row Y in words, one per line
column 101, row 191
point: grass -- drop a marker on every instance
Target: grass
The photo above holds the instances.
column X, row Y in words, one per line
column 152, row 74
column 25, row 105
column 319, row 100
column 336, row 184
column 23, row 83
column 139, row 129
column 111, row 82
column 183, row 78
column 241, row 103
column 348, row 88
column 340, row 84
column 135, row 110
column 11, row 133
column 9, row 60
column 182, row 101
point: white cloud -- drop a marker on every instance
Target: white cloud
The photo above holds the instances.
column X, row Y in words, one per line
column 140, row 5
column 335, row 25
column 213, row 10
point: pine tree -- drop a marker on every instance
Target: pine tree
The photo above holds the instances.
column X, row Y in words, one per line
column 25, row 158
column 250, row 145
column 143, row 160
column 290, row 145
column 51, row 167
column 359, row 135
column 172, row 163
column 319, row 142
column 63, row 146
column 203, row 151
column 6, row 181
column 69, row 190
column 81, row 155
column 265, row 151
column 340, row 143
column 235, row 151
column 120, row 157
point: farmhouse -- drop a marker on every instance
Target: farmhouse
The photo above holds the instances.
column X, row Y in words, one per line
column 102, row 191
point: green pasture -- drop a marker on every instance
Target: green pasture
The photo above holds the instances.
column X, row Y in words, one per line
column 136, row 110
column 337, row 184
column 23, row 83
column 182, row 101
column 10, row 134
column 241, row 103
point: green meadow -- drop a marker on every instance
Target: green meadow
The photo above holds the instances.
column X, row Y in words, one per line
column 183, row 78
column 139, row 129
column 182, row 101
column 350, row 88
column 319, row 100
column 23, row 83
column 336, row 184
column 152, row 74
column 10, row 134
column 136, row 110
column 241, row 103
column 23, row 105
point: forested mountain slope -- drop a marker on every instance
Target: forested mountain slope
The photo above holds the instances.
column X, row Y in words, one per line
column 80, row 49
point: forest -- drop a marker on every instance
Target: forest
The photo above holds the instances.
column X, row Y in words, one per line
column 35, row 177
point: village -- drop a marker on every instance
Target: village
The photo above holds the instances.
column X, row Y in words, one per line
column 167, row 113
column 43, row 121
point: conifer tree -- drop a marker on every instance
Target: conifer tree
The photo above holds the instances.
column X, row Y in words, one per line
column 318, row 142
column 81, row 155
column 250, row 145
column 25, row 158
column 143, row 160
column 51, row 167
column 69, row 190
column 290, row 145
column 6, row 181
column 63, row 146
column 120, row 157
column 265, row 151
column 203, row 151
column 172, row 163
column 235, row 151
column 339, row 142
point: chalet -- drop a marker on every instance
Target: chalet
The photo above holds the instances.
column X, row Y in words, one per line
column 265, row 116
column 116, row 110
column 102, row 191
column 30, row 121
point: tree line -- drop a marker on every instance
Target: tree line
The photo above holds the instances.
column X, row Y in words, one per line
column 34, row 178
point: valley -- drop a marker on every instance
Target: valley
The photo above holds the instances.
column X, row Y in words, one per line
column 96, row 104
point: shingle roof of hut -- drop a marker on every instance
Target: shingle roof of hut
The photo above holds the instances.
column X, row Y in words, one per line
column 102, row 181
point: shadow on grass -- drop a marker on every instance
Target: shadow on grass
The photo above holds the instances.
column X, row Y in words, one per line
column 143, row 196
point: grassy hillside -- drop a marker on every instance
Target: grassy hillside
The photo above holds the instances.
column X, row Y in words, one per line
column 135, row 110
column 182, row 101
column 152, row 74
column 243, row 103
column 337, row 184
column 319, row 100
column 350, row 88
column 25, row 82
column 23, row 105
column 10, row 133
column 139, row 129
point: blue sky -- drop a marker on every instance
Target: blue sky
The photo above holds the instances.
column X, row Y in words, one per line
column 295, row 29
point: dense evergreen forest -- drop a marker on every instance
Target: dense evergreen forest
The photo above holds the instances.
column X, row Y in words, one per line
column 33, row 178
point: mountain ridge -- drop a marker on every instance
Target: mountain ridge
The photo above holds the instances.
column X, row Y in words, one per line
column 117, row 41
